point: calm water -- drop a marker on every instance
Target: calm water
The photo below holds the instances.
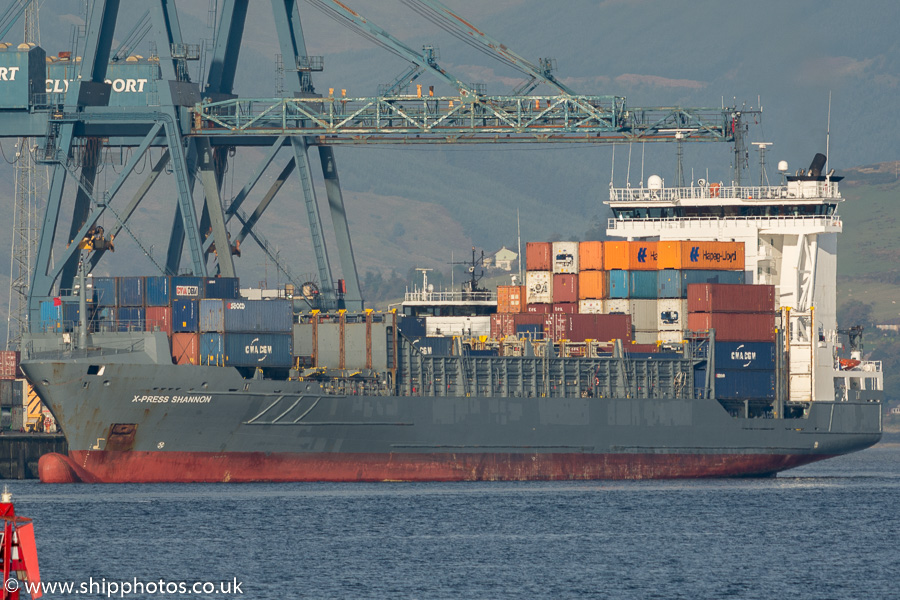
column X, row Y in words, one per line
column 828, row 530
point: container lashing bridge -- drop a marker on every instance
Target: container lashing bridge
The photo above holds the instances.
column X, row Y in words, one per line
column 108, row 98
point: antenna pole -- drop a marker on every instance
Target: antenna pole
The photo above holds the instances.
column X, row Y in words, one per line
column 828, row 136
column 519, row 236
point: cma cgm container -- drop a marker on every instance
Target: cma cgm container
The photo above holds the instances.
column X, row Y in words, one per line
column 710, row 297
column 104, row 291
column 735, row 327
column 185, row 316
column 565, row 257
column 539, row 287
column 269, row 316
column 749, row 356
column 701, row 255
column 592, row 285
column 186, row 287
column 590, row 256
column 157, row 290
column 673, row 283
column 537, row 256
column 510, row 298
column 565, row 288
column 227, row 288
column 131, row 291
column 247, row 349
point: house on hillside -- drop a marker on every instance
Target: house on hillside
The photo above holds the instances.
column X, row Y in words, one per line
column 504, row 258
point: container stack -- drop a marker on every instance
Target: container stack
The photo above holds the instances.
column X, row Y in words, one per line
column 743, row 317
column 246, row 333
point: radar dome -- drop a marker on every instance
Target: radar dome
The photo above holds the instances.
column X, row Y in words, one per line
column 782, row 166
column 654, row 182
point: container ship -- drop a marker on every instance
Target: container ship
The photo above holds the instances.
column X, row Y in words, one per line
column 702, row 342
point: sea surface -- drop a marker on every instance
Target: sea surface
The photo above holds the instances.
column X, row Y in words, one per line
column 830, row 530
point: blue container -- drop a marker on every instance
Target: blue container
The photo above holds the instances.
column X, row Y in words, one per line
column 212, row 315
column 740, row 384
column 619, row 284
column 643, row 285
column 435, row 346
column 186, row 287
column 268, row 316
column 746, row 356
column 130, row 318
column 410, row 326
column 131, row 291
column 532, row 331
column 672, row 283
column 247, row 349
column 185, row 316
column 157, row 290
column 51, row 316
column 71, row 316
column 104, row 318
column 227, row 288
column 104, row 291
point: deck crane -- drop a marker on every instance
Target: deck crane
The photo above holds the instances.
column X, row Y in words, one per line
column 196, row 124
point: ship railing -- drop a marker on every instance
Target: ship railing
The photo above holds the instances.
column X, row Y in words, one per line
column 690, row 222
column 718, row 191
column 420, row 296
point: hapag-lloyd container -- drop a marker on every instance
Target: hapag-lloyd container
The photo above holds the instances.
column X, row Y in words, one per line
column 672, row 314
column 131, row 291
column 510, row 298
column 735, row 327
column 709, row 255
column 565, row 257
column 749, row 356
column 247, row 349
column 590, row 256
column 592, row 285
column 269, row 316
column 731, row 298
column 539, row 287
column 537, row 256
column 565, row 288
column 630, row 256
column 673, row 283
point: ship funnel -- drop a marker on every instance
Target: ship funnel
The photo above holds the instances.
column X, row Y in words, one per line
column 817, row 164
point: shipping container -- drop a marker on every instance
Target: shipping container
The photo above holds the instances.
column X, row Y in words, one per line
column 708, row 297
column 186, row 348
column 615, row 256
column 643, row 285
column 569, row 308
column 592, row 307
column 410, row 326
column 565, row 288
column 642, row 256
column 648, row 351
column 6, row 392
column 502, row 325
column 9, row 364
column 537, row 256
column 212, row 315
column 265, row 316
column 672, row 283
column 247, row 349
column 752, row 356
column 617, row 306
column 671, row 314
column 645, row 336
column 671, row 337
column 51, row 316
column 644, row 316
column 435, row 346
column 71, row 315
column 157, row 290
column 185, row 316
column 186, row 287
column 592, row 285
column 159, row 318
column 619, row 284
column 740, row 384
column 131, row 291
column 580, row 328
column 590, row 256
column 539, row 287
column 701, row 255
column 130, row 318
column 565, row 257
column 226, row 288
column 104, row 318
column 104, row 291
column 735, row 327
column 510, row 298
column 538, row 309
column 531, row 331
column 556, row 326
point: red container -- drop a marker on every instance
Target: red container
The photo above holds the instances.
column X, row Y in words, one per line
column 159, row 318
column 538, row 256
column 567, row 308
column 525, row 319
column 722, row 297
column 565, row 288
column 555, row 325
column 599, row 327
column 510, row 298
column 538, row 309
column 641, row 348
column 9, row 364
column 502, row 325
column 186, row 348
column 735, row 327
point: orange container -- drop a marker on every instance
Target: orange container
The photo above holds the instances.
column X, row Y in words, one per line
column 593, row 285
column 186, row 348
column 590, row 256
column 615, row 256
column 723, row 256
column 510, row 298
column 642, row 256
column 537, row 256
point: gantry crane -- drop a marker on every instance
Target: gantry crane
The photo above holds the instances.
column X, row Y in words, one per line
column 196, row 123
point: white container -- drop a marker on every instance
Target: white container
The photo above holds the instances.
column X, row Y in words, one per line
column 618, row 305
column 643, row 336
column 672, row 314
column 592, row 307
column 565, row 257
column 643, row 316
column 539, row 287
column 459, row 326
column 671, row 337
